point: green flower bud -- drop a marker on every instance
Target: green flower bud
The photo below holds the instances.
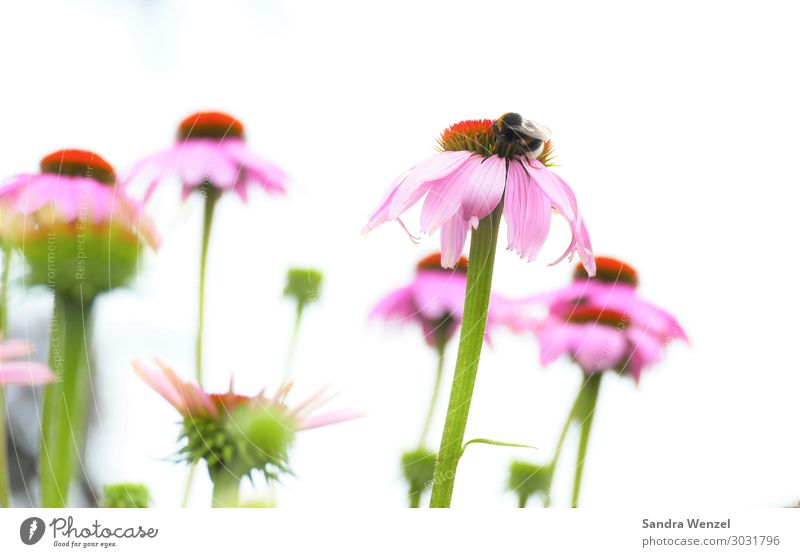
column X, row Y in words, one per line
column 126, row 496
column 528, row 479
column 303, row 285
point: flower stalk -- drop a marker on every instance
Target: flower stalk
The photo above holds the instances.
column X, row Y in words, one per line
column 65, row 400
column 226, row 489
column 211, row 196
column 437, row 384
column 588, row 403
column 4, row 479
column 482, row 250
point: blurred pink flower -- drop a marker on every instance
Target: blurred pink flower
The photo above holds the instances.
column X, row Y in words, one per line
column 603, row 324
column 21, row 372
column 74, row 189
column 210, row 150
column 193, row 402
column 435, row 300
column 467, row 181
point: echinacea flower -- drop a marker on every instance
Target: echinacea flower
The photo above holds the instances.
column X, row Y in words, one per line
column 435, row 300
column 77, row 230
column 210, row 156
column 235, row 434
column 474, row 172
column 603, row 324
column 14, row 371
column 210, row 150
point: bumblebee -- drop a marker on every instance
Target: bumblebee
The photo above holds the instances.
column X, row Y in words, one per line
column 519, row 137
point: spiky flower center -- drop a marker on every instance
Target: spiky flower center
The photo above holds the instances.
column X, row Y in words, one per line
column 78, row 163
column 210, row 125
column 609, row 271
column 434, row 263
column 477, row 136
column 585, row 314
column 480, row 137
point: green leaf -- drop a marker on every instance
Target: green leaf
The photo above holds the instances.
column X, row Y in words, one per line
column 493, row 442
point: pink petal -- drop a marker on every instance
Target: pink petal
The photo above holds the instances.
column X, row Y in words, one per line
column 398, row 305
column 484, row 187
column 439, row 293
column 25, row 373
column 328, row 418
column 454, row 236
column 527, row 211
column 14, row 349
column 410, row 186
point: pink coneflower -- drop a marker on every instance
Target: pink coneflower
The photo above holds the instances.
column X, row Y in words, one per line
column 603, row 324
column 193, row 402
column 485, row 169
column 210, row 150
column 435, row 300
column 237, row 435
column 210, row 156
column 472, row 175
column 80, row 236
column 14, row 371
column 74, row 192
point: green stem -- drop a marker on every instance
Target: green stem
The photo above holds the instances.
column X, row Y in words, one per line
column 573, row 414
column 414, row 497
column 212, row 195
column 437, row 384
column 293, row 341
column 187, row 490
column 7, row 253
column 65, row 400
column 4, row 480
column 226, row 489
column 476, row 305
column 589, row 393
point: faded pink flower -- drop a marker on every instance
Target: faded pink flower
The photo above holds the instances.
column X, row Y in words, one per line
column 211, row 151
column 21, row 372
column 193, row 402
column 75, row 189
column 603, row 324
column 474, row 173
column 435, row 300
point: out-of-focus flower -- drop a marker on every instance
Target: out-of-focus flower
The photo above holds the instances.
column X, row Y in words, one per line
column 238, row 433
column 76, row 229
column 527, row 479
column 472, row 175
column 210, row 150
column 126, row 496
column 303, row 285
column 435, row 300
column 603, row 324
column 14, row 371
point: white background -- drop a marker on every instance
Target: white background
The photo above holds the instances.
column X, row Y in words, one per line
column 675, row 123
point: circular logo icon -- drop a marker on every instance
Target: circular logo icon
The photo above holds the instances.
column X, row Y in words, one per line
column 31, row 530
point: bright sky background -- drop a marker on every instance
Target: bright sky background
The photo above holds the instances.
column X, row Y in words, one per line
column 675, row 123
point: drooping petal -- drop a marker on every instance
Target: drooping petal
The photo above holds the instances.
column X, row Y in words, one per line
column 527, row 211
column 485, row 184
column 410, row 186
column 439, row 293
column 600, row 348
column 10, row 349
column 398, row 305
column 328, row 418
column 454, row 236
column 25, row 373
